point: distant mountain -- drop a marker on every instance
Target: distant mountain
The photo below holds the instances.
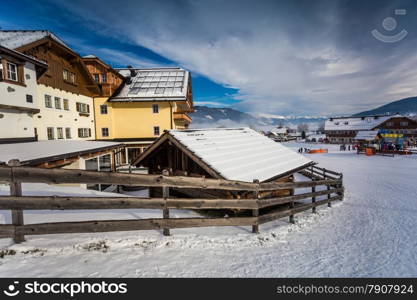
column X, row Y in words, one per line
column 228, row 117
column 404, row 106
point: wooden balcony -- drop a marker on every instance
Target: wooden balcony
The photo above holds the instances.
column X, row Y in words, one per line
column 181, row 116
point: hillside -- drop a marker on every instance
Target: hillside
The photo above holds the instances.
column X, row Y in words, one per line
column 403, row 106
column 228, row 117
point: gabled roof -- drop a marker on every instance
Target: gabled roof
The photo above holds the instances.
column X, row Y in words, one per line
column 14, row 39
column 37, row 152
column 161, row 84
column 355, row 123
column 234, row 153
column 95, row 59
column 40, row 66
column 22, row 39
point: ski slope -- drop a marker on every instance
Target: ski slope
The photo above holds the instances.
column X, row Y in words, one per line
column 373, row 233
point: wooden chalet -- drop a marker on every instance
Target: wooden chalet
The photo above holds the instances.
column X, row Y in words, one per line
column 108, row 79
column 234, row 154
column 343, row 130
column 61, row 59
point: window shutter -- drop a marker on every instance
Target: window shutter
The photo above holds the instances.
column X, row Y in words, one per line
column 89, row 132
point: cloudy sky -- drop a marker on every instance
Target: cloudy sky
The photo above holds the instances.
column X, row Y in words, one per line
column 277, row 57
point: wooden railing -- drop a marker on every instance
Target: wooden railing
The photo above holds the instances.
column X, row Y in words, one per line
column 277, row 207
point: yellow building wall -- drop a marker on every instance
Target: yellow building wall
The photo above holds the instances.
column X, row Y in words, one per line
column 132, row 119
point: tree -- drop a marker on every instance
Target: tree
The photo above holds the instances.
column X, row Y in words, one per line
column 321, row 128
column 302, row 127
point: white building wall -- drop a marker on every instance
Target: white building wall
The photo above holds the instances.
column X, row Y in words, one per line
column 15, row 123
column 53, row 117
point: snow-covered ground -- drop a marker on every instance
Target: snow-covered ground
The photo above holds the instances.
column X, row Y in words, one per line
column 372, row 233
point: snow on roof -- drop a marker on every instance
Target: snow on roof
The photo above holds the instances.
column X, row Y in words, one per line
column 366, row 135
column 355, row 123
column 26, row 152
column 16, row 38
column 23, row 56
column 90, row 56
column 240, row 153
column 154, row 84
column 280, row 130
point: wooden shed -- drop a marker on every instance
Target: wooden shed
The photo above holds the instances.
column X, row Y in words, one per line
column 225, row 153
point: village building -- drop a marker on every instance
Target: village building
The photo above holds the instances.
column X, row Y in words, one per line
column 107, row 78
column 64, row 93
column 343, row 130
column 234, row 154
column 18, row 95
column 148, row 102
column 279, row 134
column 81, row 155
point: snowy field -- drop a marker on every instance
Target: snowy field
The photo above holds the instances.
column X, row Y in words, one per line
column 373, row 233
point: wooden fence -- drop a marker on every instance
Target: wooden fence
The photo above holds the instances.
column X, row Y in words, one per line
column 263, row 209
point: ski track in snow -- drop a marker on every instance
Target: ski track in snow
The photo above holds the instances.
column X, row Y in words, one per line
column 372, row 233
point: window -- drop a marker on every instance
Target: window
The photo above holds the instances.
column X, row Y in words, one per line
column 105, row 132
column 48, row 101
column 156, row 130
column 29, row 98
column 60, row 133
column 103, row 109
column 69, row 76
column 65, row 75
column 57, row 103
column 404, row 124
column 104, row 78
column 84, row 132
column 390, row 124
column 155, row 108
column 11, row 71
column 83, row 108
column 66, row 104
column 102, row 163
column 97, row 78
column 50, row 133
column 68, row 133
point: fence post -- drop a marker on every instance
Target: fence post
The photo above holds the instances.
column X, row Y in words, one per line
column 165, row 195
column 255, row 212
column 292, row 221
column 17, row 214
column 313, row 190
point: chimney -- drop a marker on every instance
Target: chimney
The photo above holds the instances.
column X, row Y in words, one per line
column 132, row 71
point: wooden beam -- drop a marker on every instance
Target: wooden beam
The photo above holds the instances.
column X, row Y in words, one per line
column 56, row 176
column 282, row 200
column 165, row 210
column 17, row 214
column 255, row 212
column 126, row 225
column 285, row 213
column 68, row 203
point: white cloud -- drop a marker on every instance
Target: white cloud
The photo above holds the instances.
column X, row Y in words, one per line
column 282, row 60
